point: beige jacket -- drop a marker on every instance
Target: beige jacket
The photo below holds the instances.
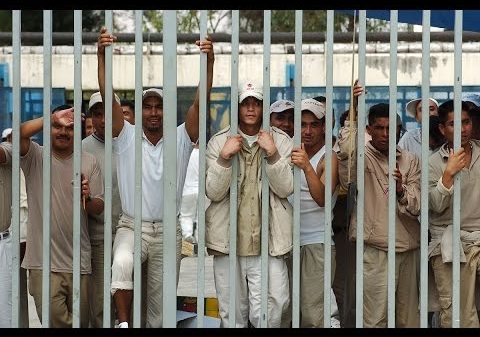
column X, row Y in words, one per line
column 376, row 194
column 217, row 187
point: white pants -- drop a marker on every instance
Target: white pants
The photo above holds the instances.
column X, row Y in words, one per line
column 248, row 290
column 6, row 282
column 152, row 253
column 188, row 214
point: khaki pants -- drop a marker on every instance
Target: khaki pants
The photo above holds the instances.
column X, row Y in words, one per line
column 375, row 295
column 468, row 275
column 311, row 284
column 61, row 300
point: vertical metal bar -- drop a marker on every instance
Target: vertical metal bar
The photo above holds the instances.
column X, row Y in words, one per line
column 16, row 44
column 424, row 174
column 77, row 164
column 362, row 41
column 296, row 171
column 267, row 19
column 233, row 182
column 201, row 174
column 137, row 234
column 392, row 164
column 170, row 170
column 327, row 269
column 457, row 180
column 107, row 228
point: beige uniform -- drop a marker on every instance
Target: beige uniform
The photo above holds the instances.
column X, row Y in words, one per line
column 407, row 234
column 61, row 231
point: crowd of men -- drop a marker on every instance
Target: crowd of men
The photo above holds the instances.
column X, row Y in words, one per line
column 253, row 147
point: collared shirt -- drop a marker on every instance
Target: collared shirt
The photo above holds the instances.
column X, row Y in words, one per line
column 249, row 210
column 441, row 198
column 152, row 171
column 412, row 142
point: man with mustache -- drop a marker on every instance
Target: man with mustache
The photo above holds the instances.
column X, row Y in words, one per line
column 376, row 192
column 152, row 188
column 31, row 162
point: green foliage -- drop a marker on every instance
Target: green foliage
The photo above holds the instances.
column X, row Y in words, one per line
column 62, row 20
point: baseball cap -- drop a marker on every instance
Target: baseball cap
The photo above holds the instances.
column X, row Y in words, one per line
column 152, row 92
column 412, row 106
column 281, row 105
column 97, row 98
column 471, row 97
column 249, row 88
column 6, row 132
column 314, row 106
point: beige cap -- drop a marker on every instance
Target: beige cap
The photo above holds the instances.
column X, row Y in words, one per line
column 152, row 92
column 412, row 106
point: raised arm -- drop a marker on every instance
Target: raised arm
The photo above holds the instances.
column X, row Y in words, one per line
column 191, row 121
column 107, row 39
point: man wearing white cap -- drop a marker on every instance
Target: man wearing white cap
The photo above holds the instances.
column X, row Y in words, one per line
column 95, row 145
column 412, row 139
column 152, row 188
column 281, row 115
column 310, row 158
column 376, row 194
column 249, row 146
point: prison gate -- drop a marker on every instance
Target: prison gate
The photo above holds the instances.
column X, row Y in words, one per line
column 170, row 169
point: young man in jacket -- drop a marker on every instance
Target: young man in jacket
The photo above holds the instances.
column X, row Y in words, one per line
column 250, row 144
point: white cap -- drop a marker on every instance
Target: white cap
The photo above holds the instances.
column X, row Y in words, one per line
column 471, row 97
column 281, row 105
column 97, row 98
column 250, row 88
column 7, row 132
column 412, row 106
column 152, row 92
column 314, row 106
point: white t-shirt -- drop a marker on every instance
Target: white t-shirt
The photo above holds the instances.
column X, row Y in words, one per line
column 152, row 171
column 191, row 180
column 312, row 216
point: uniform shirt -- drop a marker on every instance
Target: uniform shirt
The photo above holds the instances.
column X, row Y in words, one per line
column 61, row 209
column 152, row 171
column 96, row 146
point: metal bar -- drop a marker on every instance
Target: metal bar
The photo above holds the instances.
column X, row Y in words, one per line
column 424, row 173
column 66, row 38
column 16, row 28
column 201, row 174
column 137, row 234
column 170, row 170
column 77, row 164
column 392, row 164
column 457, row 89
column 296, row 171
column 362, row 28
column 233, row 182
column 267, row 20
column 107, row 228
column 327, row 269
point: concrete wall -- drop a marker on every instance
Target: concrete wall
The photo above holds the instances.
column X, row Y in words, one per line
column 250, row 65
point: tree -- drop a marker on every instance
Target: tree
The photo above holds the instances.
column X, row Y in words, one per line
column 62, row 20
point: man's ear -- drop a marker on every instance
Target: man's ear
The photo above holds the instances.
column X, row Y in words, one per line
column 369, row 130
column 441, row 127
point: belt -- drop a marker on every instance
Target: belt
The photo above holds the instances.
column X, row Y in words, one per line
column 4, row 235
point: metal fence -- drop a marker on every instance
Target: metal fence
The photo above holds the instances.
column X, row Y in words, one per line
column 336, row 97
